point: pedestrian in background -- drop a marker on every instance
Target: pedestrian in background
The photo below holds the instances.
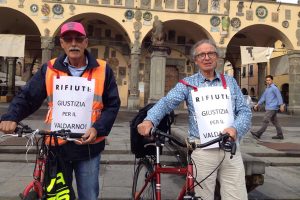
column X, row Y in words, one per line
column 273, row 102
column 86, row 88
column 247, row 98
column 215, row 105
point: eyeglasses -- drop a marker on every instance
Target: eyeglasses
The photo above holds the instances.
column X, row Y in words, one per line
column 202, row 56
column 78, row 39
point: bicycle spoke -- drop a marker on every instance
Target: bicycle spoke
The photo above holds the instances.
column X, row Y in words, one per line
column 142, row 172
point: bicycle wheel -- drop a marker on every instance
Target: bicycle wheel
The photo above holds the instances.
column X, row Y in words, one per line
column 143, row 170
column 32, row 195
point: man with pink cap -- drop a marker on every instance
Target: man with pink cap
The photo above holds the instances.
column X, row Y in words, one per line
column 82, row 96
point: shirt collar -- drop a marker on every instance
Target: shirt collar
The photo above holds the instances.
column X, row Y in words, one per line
column 203, row 79
column 67, row 64
column 270, row 85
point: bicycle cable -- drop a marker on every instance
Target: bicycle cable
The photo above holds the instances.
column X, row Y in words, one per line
column 194, row 177
column 174, row 153
column 30, row 142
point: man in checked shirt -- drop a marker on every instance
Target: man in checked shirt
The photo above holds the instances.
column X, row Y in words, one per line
column 216, row 106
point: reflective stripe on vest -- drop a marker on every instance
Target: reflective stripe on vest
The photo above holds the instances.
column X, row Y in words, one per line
column 97, row 73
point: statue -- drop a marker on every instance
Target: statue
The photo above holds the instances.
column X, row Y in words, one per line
column 157, row 4
column 215, row 6
column 227, row 7
column 21, row 4
column 158, row 35
column 225, row 23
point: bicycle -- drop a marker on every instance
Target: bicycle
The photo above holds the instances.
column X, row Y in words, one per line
column 147, row 175
column 35, row 189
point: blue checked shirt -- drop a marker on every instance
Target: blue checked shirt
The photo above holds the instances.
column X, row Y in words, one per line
column 181, row 92
column 272, row 97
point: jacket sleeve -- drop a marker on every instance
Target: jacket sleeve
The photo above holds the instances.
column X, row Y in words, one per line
column 111, row 102
column 29, row 99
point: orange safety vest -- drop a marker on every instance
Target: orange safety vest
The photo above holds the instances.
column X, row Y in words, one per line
column 97, row 73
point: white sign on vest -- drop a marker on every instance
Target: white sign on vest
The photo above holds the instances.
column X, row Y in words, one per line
column 72, row 103
column 213, row 112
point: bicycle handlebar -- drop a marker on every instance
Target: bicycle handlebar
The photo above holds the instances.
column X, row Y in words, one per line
column 223, row 140
column 154, row 132
column 63, row 133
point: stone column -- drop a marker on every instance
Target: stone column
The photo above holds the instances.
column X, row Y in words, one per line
column 47, row 45
column 134, row 96
column 294, row 82
column 11, row 77
column 147, row 80
column 133, row 99
column 157, row 73
column 261, row 78
column 221, row 60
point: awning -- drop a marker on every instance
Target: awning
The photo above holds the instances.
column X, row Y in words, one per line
column 12, row 45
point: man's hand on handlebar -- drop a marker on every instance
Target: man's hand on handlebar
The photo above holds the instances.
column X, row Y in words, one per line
column 89, row 137
column 145, row 127
column 232, row 132
column 8, row 127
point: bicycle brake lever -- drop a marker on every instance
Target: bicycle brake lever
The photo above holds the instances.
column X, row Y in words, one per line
column 18, row 131
column 233, row 150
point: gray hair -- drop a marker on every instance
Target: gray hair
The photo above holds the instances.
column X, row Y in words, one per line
column 203, row 41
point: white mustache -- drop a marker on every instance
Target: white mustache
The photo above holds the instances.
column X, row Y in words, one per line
column 74, row 49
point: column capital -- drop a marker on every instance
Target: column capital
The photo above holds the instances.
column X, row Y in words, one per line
column 160, row 48
column 294, row 52
column 222, row 52
column 47, row 42
column 136, row 48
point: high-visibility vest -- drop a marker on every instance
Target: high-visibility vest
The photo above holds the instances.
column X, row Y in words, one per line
column 97, row 73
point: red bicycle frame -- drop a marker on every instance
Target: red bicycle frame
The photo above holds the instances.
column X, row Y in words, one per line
column 36, row 187
column 187, row 190
column 158, row 170
column 38, row 178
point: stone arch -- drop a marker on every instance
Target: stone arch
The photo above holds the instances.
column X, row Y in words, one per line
column 248, row 37
column 97, row 27
column 174, row 31
column 108, row 40
column 17, row 22
column 178, row 45
column 101, row 31
column 179, row 42
column 21, row 24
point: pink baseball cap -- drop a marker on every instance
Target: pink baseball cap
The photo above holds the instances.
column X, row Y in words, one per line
column 72, row 26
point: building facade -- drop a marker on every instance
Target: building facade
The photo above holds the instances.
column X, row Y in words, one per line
column 148, row 42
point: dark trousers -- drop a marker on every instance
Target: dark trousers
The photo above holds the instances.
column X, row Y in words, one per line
column 270, row 115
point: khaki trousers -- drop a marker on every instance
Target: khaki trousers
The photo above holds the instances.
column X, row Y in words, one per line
column 231, row 174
